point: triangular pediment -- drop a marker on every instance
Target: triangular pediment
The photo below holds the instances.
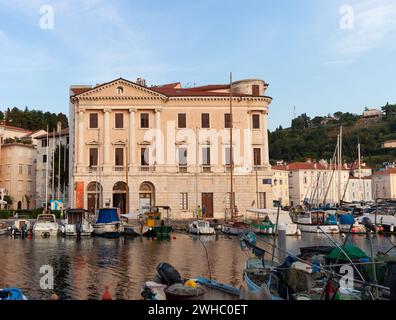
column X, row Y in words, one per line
column 120, row 89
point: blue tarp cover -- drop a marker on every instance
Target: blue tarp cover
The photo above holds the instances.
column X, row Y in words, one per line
column 347, row 219
column 107, row 216
column 331, row 219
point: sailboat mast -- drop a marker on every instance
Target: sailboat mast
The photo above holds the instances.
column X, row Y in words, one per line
column 232, row 200
column 340, row 165
column 360, row 173
column 46, row 173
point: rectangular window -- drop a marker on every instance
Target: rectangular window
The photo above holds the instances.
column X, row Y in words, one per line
column 20, row 169
column 93, row 121
column 119, row 120
column 119, row 156
column 29, row 170
column 255, row 90
column 206, row 156
column 144, row 121
column 183, row 201
column 262, row 200
column 182, row 156
column 181, row 120
column 257, row 156
column 256, row 121
column 44, row 158
column 44, row 143
column 228, row 156
column 93, row 157
column 205, row 121
column 227, row 120
column 144, row 157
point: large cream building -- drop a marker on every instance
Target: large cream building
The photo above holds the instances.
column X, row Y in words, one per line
column 134, row 145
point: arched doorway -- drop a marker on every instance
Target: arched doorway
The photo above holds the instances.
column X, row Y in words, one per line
column 94, row 196
column 19, row 205
column 120, row 196
column 146, row 195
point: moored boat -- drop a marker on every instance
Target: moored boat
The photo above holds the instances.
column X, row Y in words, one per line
column 316, row 221
column 201, row 227
column 76, row 223
column 348, row 224
column 46, row 225
column 3, row 229
column 155, row 225
column 108, row 223
column 12, row 294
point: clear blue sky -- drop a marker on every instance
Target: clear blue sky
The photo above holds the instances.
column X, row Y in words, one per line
column 297, row 46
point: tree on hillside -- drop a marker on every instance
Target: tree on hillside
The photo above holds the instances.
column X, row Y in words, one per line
column 390, row 111
column 301, row 122
column 35, row 119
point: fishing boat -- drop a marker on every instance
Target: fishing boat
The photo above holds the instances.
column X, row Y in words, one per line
column 348, row 224
column 76, row 223
column 12, row 294
column 316, row 221
column 384, row 218
column 259, row 275
column 201, row 227
column 235, row 228
column 266, row 222
column 46, row 225
column 169, row 285
column 133, row 224
column 154, row 224
column 108, row 223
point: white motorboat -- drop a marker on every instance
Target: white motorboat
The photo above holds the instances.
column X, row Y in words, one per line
column 316, row 221
column 76, row 222
column 201, row 227
column 22, row 220
column 108, row 223
column 235, row 228
column 46, row 225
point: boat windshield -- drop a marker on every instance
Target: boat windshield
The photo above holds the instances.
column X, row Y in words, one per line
column 202, row 224
column 46, row 218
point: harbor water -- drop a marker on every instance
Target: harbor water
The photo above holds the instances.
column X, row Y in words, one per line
column 82, row 269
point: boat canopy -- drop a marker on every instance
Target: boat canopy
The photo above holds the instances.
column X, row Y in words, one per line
column 347, row 219
column 352, row 251
column 107, row 216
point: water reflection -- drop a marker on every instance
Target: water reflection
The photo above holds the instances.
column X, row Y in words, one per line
column 83, row 268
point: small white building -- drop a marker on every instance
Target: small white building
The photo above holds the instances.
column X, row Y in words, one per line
column 280, row 185
column 384, row 184
column 42, row 179
column 359, row 189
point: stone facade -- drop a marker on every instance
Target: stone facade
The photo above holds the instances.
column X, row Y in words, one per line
column 133, row 145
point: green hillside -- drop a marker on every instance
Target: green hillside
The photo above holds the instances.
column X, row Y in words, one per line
column 316, row 139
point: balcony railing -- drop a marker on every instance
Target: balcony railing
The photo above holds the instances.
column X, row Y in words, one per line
column 119, row 168
column 183, row 169
column 259, row 168
column 147, row 168
column 206, row 168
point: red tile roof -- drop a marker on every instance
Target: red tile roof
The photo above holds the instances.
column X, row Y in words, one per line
column 77, row 91
column 7, row 126
column 306, row 166
column 387, row 171
column 173, row 90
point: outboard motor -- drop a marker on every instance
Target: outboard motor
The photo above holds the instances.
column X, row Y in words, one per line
column 368, row 225
column 167, row 274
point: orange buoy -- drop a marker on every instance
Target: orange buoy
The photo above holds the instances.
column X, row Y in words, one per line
column 174, row 238
column 106, row 294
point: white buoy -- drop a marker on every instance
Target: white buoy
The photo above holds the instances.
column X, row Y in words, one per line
column 298, row 232
column 392, row 228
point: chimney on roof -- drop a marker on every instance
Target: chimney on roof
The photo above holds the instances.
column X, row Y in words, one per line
column 141, row 82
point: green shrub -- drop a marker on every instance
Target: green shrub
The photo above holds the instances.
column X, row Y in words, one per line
column 5, row 214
